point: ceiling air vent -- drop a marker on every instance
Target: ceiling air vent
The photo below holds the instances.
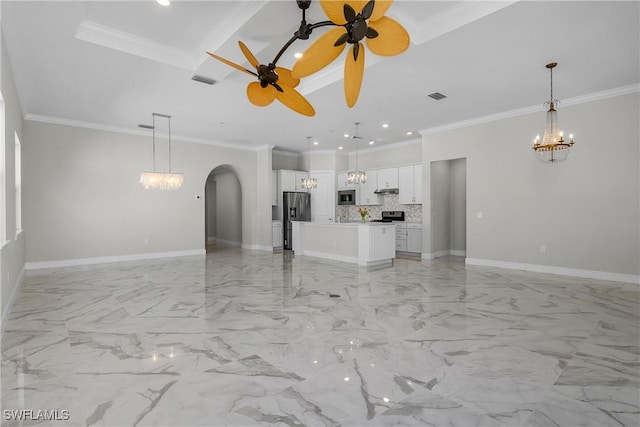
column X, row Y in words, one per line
column 145, row 126
column 203, row 79
column 437, row 96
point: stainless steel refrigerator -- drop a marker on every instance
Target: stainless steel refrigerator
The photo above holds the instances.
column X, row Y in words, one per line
column 296, row 206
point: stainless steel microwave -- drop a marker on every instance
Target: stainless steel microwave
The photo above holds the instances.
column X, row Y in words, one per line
column 346, row 197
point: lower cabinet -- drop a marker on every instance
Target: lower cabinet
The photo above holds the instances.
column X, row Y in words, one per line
column 409, row 238
column 277, row 234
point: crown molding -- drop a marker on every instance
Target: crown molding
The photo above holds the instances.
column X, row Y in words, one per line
column 286, row 153
column 128, row 131
column 596, row 96
column 390, row 146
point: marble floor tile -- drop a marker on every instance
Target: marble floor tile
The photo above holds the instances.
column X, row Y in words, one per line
column 249, row 338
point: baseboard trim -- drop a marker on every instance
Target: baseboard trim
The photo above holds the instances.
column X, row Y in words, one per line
column 109, row 259
column 563, row 271
column 455, row 252
column 229, row 242
column 258, row 248
column 333, row 257
column 6, row 310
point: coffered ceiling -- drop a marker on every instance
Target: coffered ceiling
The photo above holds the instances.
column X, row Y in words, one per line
column 110, row 64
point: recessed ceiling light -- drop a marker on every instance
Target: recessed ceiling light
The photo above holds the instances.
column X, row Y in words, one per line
column 409, row 132
column 163, row 2
column 339, row 148
column 346, row 135
column 385, row 125
column 315, row 142
column 298, row 55
column 371, row 142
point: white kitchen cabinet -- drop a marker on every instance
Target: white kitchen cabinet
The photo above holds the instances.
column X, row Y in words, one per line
column 376, row 243
column 274, row 188
column 277, row 234
column 323, row 198
column 299, row 177
column 410, row 185
column 287, row 181
column 366, row 194
column 409, row 238
column 414, row 238
column 387, row 178
column 342, row 183
column 291, row 180
column 401, row 237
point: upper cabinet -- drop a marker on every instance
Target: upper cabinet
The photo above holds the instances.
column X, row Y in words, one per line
column 410, row 185
column 387, row 178
column 366, row 194
column 291, row 180
column 341, row 181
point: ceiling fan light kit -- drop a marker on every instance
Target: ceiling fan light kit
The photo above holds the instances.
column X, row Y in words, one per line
column 356, row 23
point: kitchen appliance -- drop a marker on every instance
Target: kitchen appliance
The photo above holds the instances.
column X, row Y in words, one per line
column 296, row 206
column 346, row 197
column 390, row 216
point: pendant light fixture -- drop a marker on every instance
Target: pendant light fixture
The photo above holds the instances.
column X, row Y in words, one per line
column 356, row 176
column 553, row 148
column 308, row 183
column 161, row 180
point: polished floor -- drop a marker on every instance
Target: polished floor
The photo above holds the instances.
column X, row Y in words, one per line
column 246, row 338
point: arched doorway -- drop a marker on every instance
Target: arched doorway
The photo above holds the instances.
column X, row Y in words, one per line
column 223, row 208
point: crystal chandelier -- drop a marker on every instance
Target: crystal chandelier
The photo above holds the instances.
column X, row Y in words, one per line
column 553, row 148
column 356, row 176
column 161, row 180
column 308, row 183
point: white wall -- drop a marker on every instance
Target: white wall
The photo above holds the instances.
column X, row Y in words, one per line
column 83, row 200
column 404, row 153
column 585, row 211
column 285, row 160
column 12, row 257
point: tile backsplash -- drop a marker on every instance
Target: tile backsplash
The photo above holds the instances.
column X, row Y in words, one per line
column 412, row 213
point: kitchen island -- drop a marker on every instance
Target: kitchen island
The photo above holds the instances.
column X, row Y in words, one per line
column 366, row 244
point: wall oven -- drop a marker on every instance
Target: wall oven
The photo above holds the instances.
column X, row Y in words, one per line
column 347, row 197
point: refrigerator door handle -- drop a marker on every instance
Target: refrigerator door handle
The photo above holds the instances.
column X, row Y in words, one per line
column 292, row 212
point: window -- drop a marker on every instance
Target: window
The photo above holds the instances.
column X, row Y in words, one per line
column 3, row 178
column 18, row 168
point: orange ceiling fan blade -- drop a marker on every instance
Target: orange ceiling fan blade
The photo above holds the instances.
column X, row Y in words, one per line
column 381, row 7
column 285, row 77
column 392, row 38
column 232, row 64
column 294, row 100
column 320, row 54
column 353, row 72
column 247, row 53
column 260, row 96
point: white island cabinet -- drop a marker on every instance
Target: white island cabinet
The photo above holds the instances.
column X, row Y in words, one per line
column 368, row 244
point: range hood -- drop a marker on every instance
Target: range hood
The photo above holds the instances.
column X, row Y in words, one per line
column 386, row 191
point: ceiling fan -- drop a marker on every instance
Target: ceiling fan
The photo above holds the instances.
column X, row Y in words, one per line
column 273, row 83
column 355, row 22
